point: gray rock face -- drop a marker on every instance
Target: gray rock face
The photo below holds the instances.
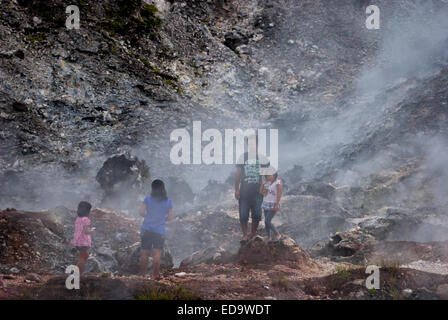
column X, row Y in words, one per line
column 354, row 246
column 209, row 256
column 321, row 189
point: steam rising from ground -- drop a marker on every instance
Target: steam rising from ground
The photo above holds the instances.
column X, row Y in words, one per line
column 413, row 42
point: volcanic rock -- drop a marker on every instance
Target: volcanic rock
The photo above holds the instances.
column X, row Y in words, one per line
column 285, row 251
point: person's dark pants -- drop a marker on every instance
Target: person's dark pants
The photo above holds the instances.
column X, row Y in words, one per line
column 268, row 215
column 251, row 205
column 152, row 240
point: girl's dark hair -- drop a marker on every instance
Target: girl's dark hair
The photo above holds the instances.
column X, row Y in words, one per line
column 84, row 209
column 158, row 190
column 275, row 175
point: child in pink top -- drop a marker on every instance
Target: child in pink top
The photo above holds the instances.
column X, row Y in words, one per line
column 82, row 239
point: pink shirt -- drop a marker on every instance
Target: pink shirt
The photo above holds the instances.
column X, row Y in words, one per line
column 80, row 238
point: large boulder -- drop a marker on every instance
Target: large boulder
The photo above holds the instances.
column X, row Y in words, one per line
column 129, row 259
column 285, row 252
column 235, row 39
column 350, row 246
column 121, row 168
column 124, row 179
column 210, row 255
column 320, row 189
column 257, row 252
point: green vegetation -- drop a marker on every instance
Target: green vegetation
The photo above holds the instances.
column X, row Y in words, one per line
column 150, row 10
column 113, row 50
column 393, row 266
column 114, row 27
column 340, row 277
column 36, row 37
column 92, row 295
column 342, row 273
column 392, row 284
column 146, row 62
column 144, row 170
column 159, row 293
column 156, row 70
column 152, row 36
column 281, row 282
column 150, row 21
column 395, row 293
column 105, row 275
column 127, row 7
column 121, row 19
column 53, row 15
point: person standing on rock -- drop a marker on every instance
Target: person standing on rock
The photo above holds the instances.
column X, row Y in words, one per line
column 247, row 186
column 271, row 188
column 156, row 209
column 82, row 236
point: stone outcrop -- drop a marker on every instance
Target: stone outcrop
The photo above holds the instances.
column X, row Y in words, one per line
column 285, row 252
column 257, row 252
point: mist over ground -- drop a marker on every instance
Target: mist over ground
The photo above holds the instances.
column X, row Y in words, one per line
column 355, row 108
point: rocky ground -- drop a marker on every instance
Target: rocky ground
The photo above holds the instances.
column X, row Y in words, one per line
column 36, row 250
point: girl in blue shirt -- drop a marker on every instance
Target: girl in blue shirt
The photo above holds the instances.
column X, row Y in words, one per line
column 156, row 209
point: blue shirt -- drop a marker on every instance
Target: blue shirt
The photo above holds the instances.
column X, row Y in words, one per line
column 156, row 212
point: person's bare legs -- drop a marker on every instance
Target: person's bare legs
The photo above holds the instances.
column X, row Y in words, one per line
column 83, row 256
column 244, row 228
column 254, row 228
column 156, row 253
column 144, row 262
